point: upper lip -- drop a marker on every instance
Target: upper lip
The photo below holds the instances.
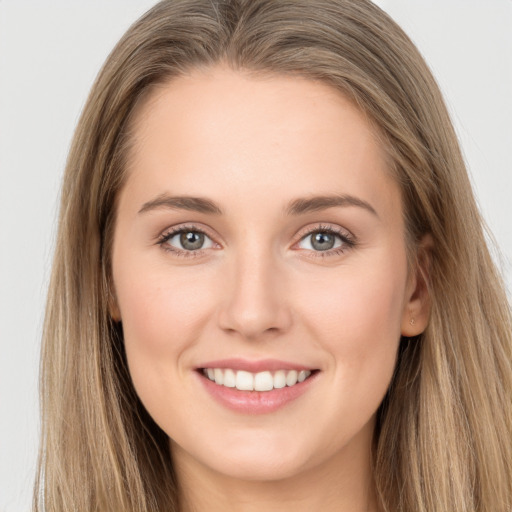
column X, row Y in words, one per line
column 254, row 366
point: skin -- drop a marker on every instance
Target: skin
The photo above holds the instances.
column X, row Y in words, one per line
column 259, row 290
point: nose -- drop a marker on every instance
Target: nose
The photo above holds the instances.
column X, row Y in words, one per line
column 255, row 301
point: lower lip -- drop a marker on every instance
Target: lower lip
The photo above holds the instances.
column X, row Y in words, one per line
column 255, row 402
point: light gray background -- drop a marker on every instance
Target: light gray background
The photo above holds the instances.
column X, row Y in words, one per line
column 50, row 53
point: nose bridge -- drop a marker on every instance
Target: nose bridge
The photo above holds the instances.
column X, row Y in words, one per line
column 255, row 301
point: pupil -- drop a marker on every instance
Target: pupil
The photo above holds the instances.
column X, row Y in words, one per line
column 322, row 241
column 191, row 240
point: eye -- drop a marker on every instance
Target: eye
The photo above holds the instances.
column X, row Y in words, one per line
column 325, row 239
column 320, row 241
column 186, row 239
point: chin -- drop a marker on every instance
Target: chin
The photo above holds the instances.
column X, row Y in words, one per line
column 258, row 469
column 255, row 458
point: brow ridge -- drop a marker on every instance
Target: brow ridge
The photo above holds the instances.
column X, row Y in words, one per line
column 296, row 207
column 196, row 204
column 312, row 204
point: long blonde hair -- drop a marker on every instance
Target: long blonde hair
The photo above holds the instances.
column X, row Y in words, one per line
column 443, row 442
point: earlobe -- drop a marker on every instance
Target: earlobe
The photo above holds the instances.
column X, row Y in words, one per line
column 418, row 301
column 114, row 312
column 113, row 308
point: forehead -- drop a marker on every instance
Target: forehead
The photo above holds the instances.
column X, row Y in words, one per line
column 218, row 127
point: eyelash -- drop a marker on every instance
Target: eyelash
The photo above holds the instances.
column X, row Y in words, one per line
column 348, row 241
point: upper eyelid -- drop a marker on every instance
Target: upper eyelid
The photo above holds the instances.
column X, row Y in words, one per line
column 180, row 228
column 337, row 230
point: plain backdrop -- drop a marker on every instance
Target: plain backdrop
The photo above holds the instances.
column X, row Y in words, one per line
column 50, row 53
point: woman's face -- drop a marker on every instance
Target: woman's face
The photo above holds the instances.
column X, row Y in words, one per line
column 260, row 240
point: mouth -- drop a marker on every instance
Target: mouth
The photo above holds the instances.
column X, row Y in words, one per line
column 263, row 381
column 252, row 387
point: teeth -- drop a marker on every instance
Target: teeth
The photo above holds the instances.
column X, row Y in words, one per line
column 219, row 376
column 262, row 381
column 291, row 378
column 244, row 381
column 229, row 379
column 280, row 379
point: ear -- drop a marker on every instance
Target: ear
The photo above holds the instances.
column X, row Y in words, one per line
column 417, row 299
column 113, row 308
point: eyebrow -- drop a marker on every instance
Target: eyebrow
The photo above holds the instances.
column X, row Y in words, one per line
column 313, row 204
column 296, row 207
column 194, row 204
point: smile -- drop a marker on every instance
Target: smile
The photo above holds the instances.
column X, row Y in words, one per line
column 255, row 386
column 261, row 381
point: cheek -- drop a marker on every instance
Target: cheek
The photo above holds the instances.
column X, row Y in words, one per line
column 356, row 315
column 163, row 314
column 357, row 303
column 159, row 309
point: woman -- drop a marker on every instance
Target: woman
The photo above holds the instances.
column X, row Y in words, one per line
column 271, row 287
